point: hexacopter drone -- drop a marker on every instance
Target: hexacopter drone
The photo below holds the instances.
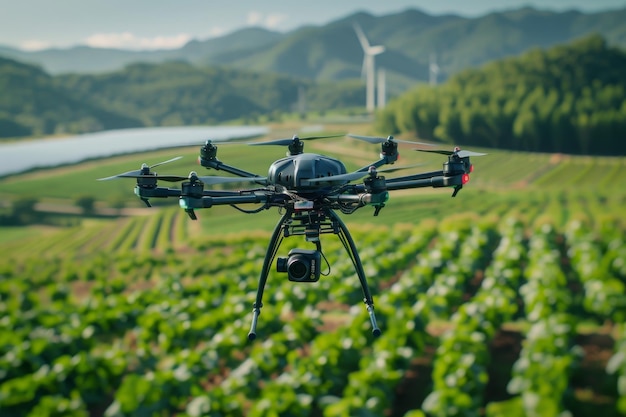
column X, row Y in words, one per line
column 308, row 188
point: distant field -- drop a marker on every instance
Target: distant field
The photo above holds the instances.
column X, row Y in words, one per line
column 499, row 169
column 531, row 185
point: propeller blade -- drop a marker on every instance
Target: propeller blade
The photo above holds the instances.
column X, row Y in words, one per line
column 125, row 174
column 282, row 142
column 376, row 139
column 289, row 141
column 461, row 153
column 393, row 169
column 166, row 162
column 138, row 172
column 170, row 178
column 213, row 180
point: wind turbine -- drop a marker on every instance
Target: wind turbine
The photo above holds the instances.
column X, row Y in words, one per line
column 368, row 66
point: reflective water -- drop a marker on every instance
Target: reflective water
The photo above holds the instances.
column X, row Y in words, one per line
column 24, row 155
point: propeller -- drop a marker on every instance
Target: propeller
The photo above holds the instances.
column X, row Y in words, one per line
column 289, row 141
column 208, row 180
column 375, row 139
column 351, row 176
column 144, row 171
column 457, row 151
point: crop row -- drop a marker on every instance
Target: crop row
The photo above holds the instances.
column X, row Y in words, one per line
column 540, row 375
column 460, row 368
column 153, row 332
column 598, row 261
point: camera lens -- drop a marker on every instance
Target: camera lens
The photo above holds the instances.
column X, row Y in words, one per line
column 298, row 268
column 281, row 264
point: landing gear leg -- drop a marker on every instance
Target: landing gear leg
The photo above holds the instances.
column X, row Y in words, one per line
column 272, row 249
column 348, row 243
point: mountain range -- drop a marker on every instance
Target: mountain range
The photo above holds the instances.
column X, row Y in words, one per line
column 332, row 52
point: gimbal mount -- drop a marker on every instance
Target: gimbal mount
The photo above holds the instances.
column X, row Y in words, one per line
column 311, row 223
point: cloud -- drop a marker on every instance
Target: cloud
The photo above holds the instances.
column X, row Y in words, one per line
column 128, row 40
column 34, row 45
column 216, row 31
column 270, row 20
column 254, row 18
column 274, row 20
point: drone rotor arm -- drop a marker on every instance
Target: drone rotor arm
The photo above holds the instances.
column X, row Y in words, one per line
column 434, row 181
column 214, row 180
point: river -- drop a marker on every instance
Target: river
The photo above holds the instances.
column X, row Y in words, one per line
column 25, row 155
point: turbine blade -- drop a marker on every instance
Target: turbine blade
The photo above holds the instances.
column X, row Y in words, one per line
column 362, row 38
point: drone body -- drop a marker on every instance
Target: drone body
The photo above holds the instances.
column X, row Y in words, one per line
column 294, row 171
column 308, row 188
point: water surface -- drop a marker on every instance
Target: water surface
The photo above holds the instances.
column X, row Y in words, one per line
column 24, row 155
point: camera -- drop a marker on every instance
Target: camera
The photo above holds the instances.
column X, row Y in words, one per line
column 301, row 265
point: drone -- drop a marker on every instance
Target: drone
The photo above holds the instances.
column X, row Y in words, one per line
column 308, row 189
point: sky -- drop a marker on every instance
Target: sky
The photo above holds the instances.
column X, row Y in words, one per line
column 166, row 24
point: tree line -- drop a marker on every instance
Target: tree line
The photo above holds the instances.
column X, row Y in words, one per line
column 568, row 99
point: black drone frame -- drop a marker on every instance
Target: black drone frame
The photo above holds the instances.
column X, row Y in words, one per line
column 308, row 213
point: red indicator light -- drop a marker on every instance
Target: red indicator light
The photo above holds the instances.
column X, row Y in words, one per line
column 465, row 178
column 471, row 168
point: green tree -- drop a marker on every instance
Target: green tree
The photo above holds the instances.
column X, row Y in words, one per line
column 86, row 204
column 23, row 210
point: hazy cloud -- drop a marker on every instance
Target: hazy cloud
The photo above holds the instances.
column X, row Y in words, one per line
column 217, row 31
column 274, row 20
column 254, row 18
column 34, row 45
column 269, row 20
column 128, row 40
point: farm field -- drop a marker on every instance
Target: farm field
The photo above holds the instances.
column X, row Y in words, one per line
column 507, row 300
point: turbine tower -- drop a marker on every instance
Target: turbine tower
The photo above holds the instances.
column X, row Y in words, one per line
column 368, row 66
column 433, row 69
column 382, row 89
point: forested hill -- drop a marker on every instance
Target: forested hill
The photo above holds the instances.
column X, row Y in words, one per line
column 32, row 103
column 173, row 93
column 180, row 93
column 568, row 99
